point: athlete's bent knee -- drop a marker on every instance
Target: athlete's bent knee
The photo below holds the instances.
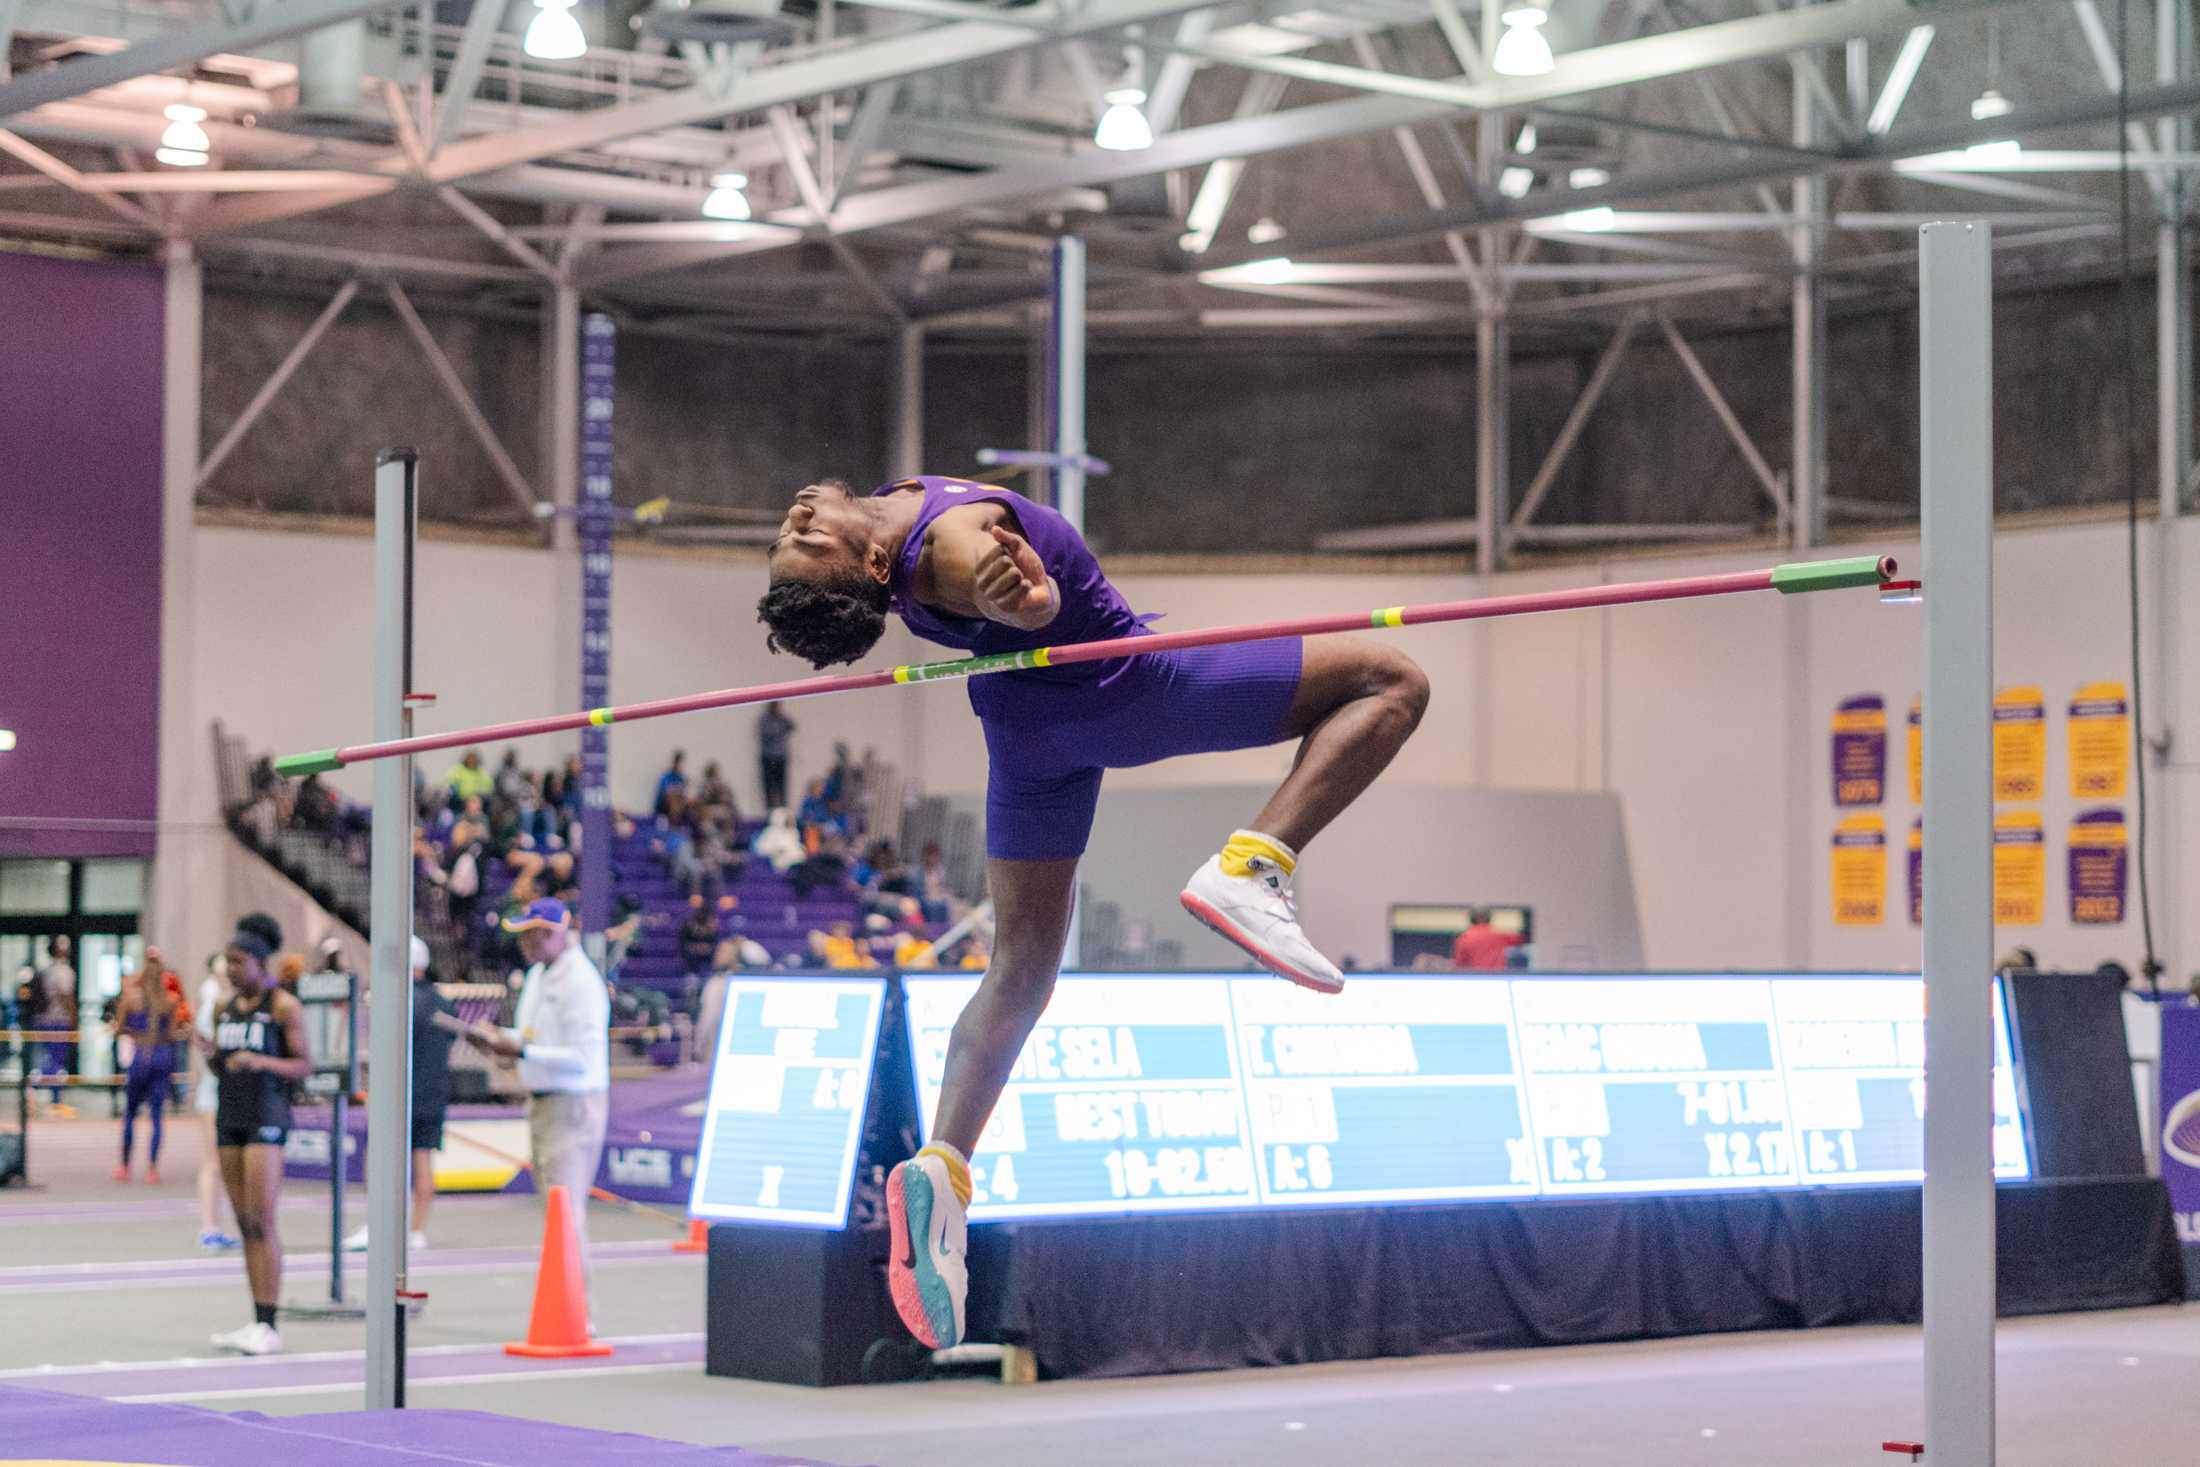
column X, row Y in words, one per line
column 251, row 1229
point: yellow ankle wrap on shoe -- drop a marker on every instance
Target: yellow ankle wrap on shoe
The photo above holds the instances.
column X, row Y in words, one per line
column 958, row 1171
column 1245, row 845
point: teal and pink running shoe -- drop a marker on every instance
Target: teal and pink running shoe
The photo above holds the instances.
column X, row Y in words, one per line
column 928, row 1271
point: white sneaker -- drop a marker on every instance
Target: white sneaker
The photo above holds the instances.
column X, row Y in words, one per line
column 1257, row 913
column 417, row 1241
column 254, row 1339
column 928, row 1268
column 357, row 1242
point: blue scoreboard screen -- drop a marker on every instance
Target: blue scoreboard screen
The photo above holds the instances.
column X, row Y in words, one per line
column 1171, row 1093
column 787, row 1089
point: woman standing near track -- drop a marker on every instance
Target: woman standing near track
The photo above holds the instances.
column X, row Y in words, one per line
column 259, row 1050
column 153, row 1017
column 205, row 1096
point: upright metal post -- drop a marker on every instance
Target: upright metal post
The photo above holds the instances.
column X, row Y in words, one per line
column 2174, row 466
column 1806, row 525
column 2173, row 272
column 1066, row 401
column 1066, row 374
column 1955, row 345
column 389, row 1098
column 1492, row 462
column 906, row 457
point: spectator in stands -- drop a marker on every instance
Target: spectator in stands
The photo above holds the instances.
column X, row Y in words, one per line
column 672, row 781
column 467, row 780
column 836, row 947
column 710, row 1010
column 774, row 732
column 431, row 1095
column 779, row 842
column 315, row 807
column 1482, row 947
column 841, row 775
column 626, row 927
column 698, row 937
column 511, row 780
column 828, row 865
column 933, row 893
column 817, row 813
column 713, row 798
column 53, row 1007
column 889, row 873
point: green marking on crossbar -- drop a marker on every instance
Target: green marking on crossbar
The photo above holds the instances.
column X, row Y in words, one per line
column 320, row 761
column 1825, row 575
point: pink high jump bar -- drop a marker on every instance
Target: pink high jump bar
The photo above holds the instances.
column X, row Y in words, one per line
column 1816, row 575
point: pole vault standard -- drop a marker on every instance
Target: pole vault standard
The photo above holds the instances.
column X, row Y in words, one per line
column 1815, row 575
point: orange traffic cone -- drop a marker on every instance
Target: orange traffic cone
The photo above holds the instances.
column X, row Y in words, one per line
column 697, row 1239
column 558, row 1329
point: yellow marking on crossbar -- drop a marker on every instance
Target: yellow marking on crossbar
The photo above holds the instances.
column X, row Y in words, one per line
column 1392, row 616
column 901, row 674
column 600, row 717
column 1044, row 657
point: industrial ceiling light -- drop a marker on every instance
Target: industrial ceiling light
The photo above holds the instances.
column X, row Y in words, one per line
column 1525, row 143
column 726, row 199
column 1515, row 182
column 1266, row 272
column 1589, row 221
column 1588, row 178
column 1991, row 104
column 7, row 739
column 1123, row 126
column 1522, row 50
column 554, row 35
column 1265, row 230
column 184, row 143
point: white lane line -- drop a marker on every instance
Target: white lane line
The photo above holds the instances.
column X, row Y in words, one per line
column 199, row 1362
column 412, row 1388
column 454, row 1267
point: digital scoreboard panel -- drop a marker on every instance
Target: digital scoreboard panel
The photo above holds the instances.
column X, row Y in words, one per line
column 791, row 1073
column 1155, row 1093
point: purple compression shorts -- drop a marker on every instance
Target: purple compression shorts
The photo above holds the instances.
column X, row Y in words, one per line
column 1047, row 743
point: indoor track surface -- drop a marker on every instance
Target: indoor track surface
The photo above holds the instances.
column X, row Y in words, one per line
column 103, row 1293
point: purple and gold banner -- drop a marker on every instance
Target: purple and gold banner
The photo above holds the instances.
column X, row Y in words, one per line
column 2020, row 743
column 1860, row 750
column 1917, row 751
column 1917, row 873
column 2100, row 742
column 2100, row 847
column 2180, row 1120
column 2020, row 869
column 1859, row 871
column 599, row 345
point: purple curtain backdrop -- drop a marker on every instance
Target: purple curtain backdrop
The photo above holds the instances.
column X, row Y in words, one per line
column 80, row 451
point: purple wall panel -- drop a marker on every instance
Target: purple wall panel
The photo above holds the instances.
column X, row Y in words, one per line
column 80, row 453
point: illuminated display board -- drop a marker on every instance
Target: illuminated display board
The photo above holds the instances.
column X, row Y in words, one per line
column 787, row 1090
column 1140, row 1093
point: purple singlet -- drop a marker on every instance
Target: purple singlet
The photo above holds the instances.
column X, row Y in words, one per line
column 1050, row 732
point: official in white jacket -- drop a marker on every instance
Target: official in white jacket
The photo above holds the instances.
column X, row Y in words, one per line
column 560, row 1042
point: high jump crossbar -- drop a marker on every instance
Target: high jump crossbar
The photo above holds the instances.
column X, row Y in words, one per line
column 1791, row 579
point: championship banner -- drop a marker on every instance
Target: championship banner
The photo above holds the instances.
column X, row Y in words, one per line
column 2100, row 742
column 1860, row 871
column 1917, row 751
column 2020, row 869
column 593, row 526
column 1917, row 873
column 2020, row 743
column 1860, row 750
column 2180, row 1118
column 2099, row 863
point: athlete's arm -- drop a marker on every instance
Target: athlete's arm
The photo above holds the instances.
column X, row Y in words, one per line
column 980, row 566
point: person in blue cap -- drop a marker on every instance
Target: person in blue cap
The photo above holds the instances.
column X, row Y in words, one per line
column 560, row 1042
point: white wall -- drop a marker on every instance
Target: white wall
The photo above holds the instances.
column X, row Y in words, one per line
column 1708, row 719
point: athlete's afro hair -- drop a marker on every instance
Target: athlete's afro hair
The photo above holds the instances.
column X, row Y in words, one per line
column 824, row 622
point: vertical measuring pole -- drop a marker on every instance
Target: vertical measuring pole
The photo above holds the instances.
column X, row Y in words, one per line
column 1956, row 488
column 1066, row 415
column 598, row 341
column 389, row 1073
